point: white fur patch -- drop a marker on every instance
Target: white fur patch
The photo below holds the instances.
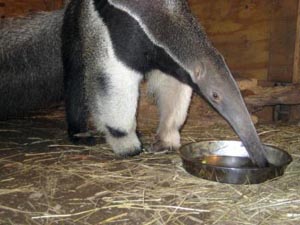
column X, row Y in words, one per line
column 173, row 99
column 117, row 106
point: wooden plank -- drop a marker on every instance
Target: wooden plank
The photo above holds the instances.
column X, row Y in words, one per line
column 296, row 69
column 283, row 39
column 267, row 96
column 241, row 32
column 256, row 96
column 294, row 114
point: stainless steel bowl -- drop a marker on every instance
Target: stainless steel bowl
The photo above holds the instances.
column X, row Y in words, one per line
column 229, row 162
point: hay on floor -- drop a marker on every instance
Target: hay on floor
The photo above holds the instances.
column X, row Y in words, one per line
column 45, row 180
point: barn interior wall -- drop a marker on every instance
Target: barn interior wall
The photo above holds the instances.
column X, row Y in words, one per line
column 244, row 31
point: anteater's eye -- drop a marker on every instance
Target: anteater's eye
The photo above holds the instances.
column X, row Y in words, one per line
column 215, row 96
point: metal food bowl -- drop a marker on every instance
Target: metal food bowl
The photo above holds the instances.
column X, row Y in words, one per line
column 229, row 162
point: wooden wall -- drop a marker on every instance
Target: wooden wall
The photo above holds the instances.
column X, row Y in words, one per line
column 259, row 38
column 240, row 29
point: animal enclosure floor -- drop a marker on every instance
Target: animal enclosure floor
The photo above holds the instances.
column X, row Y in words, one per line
column 46, row 180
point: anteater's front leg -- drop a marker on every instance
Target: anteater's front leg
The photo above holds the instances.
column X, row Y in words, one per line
column 75, row 97
column 173, row 99
column 113, row 108
column 76, row 111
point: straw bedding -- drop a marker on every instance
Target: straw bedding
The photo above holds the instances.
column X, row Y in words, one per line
column 45, row 180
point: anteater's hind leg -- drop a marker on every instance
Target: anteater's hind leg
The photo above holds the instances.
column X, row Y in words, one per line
column 173, row 99
column 77, row 111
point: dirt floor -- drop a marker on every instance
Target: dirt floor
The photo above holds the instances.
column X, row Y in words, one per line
column 46, row 180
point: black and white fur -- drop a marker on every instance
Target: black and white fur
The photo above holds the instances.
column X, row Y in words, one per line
column 106, row 53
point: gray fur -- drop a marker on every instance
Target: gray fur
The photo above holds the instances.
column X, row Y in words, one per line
column 170, row 25
column 31, row 73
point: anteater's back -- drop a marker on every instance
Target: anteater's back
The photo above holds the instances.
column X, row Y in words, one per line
column 31, row 73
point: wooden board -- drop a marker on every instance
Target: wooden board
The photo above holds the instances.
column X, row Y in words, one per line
column 283, row 41
column 296, row 69
column 241, row 32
